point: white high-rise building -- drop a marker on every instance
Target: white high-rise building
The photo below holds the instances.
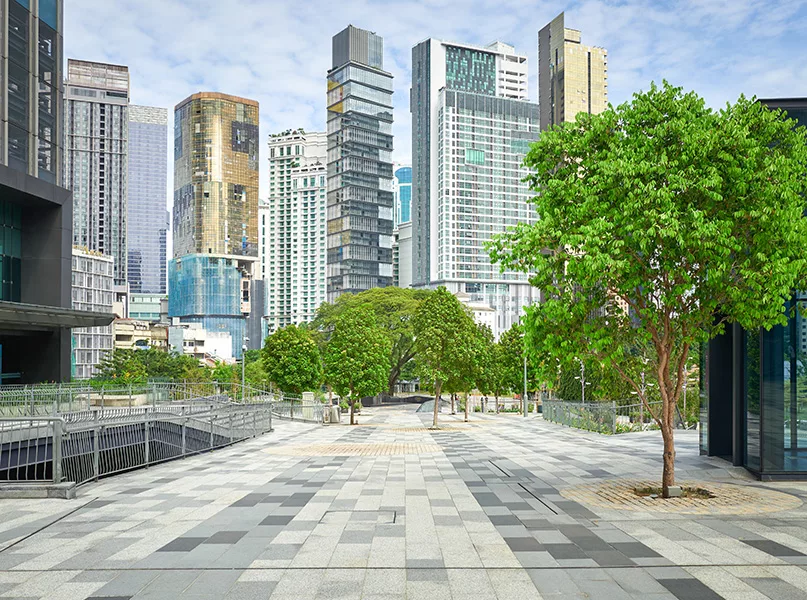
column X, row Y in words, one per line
column 471, row 128
column 93, row 291
column 96, row 157
column 293, row 225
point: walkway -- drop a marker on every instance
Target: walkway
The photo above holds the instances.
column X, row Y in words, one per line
column 502, row 508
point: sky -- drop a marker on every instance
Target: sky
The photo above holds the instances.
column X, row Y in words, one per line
column 278, row 51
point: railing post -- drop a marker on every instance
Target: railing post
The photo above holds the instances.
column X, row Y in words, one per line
column 255, row 422
column 56, row 451
column 613, row 408
column 146, row 455
column 230, row 418
column 102, row 396
column 32, row 413
column 211, row 427
column 130, row 396
column 96, row 446
column 184, row 430
column 270, row 417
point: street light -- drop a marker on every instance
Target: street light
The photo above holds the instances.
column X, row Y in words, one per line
column 243, row 365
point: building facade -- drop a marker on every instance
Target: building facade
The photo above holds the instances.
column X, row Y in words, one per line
column 469, row 144
column 402, row 193
column 754, row 384
column 360, row 199
column 215, row 227
column 572, row 78
column 93, row 275
column 402, row 256
column 36, row 216
column 147, row 307
column 294, row 224
column 96, row 157
column 146, row 216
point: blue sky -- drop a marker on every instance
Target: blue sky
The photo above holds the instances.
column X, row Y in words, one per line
column 278, row 51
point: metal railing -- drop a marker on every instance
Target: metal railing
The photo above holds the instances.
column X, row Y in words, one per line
column 85, row 445
column 295, row 409
column 603, row 417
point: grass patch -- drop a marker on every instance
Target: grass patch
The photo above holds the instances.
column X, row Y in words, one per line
column 688, row 492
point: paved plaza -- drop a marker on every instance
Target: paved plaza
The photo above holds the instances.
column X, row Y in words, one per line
column 502, row 508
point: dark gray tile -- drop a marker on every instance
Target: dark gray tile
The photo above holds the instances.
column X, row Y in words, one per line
column 426, row 575
column 356, row 537
column 610, row 558
column 185, row 544
column 635, row 550
column 524, row 544
column 776, row 588
column 564, row 551
column 277, row 520
column 225, row 537
column 772, row 548
column 690, row 589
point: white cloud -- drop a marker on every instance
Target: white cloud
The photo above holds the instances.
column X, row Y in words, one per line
column 278, row 52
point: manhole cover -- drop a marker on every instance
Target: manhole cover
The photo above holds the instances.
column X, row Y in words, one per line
column 729, row 499
column 355, row 449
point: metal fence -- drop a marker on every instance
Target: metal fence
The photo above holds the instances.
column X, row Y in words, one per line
column 297, row 410
column 83, row 446
column 603, row 417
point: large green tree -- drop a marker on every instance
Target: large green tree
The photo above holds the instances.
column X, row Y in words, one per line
column 662, row 220
column 291, row 360
column 393, row 309
column 445, row 341
column 357, row 357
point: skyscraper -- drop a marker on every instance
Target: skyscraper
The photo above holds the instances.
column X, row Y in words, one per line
column 402, row 191
column 36, row 216
column 97, row 135
column 572, row 78
column 215, row 212
column 471, row 128
column 146, row 214
column 360, row 200
column 293, row 226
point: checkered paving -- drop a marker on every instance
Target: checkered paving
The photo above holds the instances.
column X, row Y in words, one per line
column 468, row 512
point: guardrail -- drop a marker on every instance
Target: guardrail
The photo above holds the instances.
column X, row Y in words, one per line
column 603, row 417
column 297, row 410
column 85, row 445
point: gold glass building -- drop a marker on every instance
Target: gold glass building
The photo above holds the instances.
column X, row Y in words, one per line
column 215, row 213
column 216, row 175
column 572, row 78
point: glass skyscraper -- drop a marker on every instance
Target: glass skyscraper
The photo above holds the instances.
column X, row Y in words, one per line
column 147, row 217
column 215, row 213
column 360, row 198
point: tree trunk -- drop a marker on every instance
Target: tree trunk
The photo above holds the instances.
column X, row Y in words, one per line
column 352, row 405
column 668, row 473
column 497, row 403
column 466, row 407
column 453, row 410
column 437, row 385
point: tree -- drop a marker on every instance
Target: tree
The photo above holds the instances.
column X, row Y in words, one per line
column 394, row 309
column 357, row 357
column 661, row 221
column 488, row 372
column 122, row 366
column 444, row 340
column 291, row 360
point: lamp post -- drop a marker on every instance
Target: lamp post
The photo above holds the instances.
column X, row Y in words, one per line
column 243, row 366
column 525, row 386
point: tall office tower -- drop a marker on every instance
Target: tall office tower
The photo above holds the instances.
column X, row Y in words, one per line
column 402, row 193
column 294, row 262
column 36, row 214
column 471, row 128
column 572, row 78
column 146, row 214
column 360, row 200
column 97, row 134
column 215, row 213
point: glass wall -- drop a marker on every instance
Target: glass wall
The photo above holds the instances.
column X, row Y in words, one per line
column 10, row 251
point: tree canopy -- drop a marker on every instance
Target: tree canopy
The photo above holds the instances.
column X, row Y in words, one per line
column 445, row 341
column 291, row 360
column 661, row 221
column 136, row 366
column 357, row 357
column 393, row 309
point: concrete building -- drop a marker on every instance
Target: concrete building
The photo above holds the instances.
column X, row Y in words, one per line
column 146, row 216
column 193, row 339
column 360, row 201
column 572, row 78
column 293, row 228
column 215, row 213
column 483, row 314
column 96, row 157
column 92, row 291
column 36, row 216
column 471, row 128
column 146, row 307
column 402, row 193
column 132, row 334
column 402, row 256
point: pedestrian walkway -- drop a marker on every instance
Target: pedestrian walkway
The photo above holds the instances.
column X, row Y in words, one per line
column 504, row 507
